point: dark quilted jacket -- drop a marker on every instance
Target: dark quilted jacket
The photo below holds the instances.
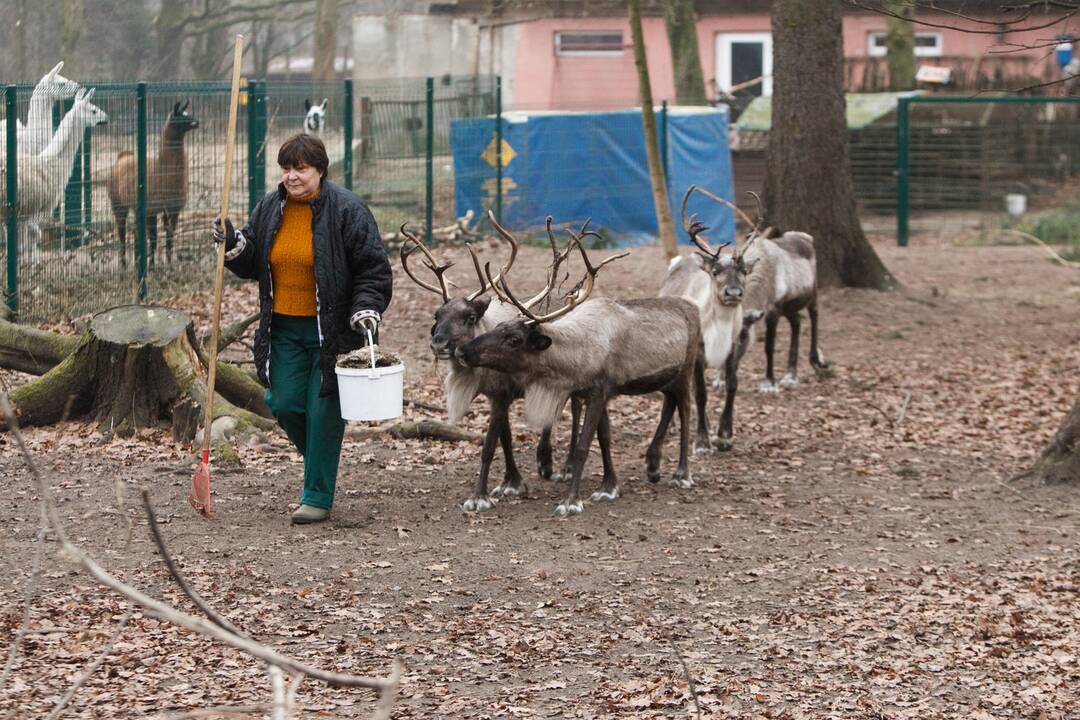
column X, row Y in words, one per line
column 351, row 271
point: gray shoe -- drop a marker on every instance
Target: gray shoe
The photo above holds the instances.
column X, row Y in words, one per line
column 306, row 514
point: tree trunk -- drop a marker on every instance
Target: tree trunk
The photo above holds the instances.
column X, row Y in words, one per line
column 169, row 40
column 325, row 40
column 1060, row 462
column 71, row 24
column 135, row 366
column 652, row 148
column 900, row 44
column 808, row 183
column 685, row 58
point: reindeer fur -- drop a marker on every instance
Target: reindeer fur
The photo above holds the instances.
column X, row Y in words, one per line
column 601, row 349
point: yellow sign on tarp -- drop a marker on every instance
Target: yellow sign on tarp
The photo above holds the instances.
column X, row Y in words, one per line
column 491, row 158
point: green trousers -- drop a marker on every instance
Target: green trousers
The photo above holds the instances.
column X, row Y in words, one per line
column 313, row 423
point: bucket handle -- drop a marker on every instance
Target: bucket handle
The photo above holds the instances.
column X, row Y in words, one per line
column 371, row 346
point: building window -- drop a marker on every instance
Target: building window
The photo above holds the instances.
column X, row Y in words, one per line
column 607, row 42
column 927, row 44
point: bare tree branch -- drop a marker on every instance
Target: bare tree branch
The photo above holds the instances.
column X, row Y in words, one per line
column 106, row 650
column 1072, row 10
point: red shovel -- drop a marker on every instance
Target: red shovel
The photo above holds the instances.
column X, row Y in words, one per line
column 199, row 497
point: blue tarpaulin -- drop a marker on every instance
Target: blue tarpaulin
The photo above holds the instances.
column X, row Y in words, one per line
column 577, row 165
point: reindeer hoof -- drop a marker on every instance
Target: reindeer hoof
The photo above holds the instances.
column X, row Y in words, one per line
column 545, row 473
column 567, row 507
column 478, row 504
column 605, row 495
column 789, row 380
column 768, row 387
column 652, row 476
column 703, row 448
column 682, row 479
column 723, row 444
column 519, row 490
column 817, row 360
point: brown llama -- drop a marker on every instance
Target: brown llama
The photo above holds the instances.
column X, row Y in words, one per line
column 167, row 186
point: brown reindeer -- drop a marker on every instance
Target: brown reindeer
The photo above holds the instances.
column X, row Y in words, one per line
column 167, row 186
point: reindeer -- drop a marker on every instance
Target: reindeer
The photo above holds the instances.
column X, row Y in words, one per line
column 167, row 187
column 42, row 177
column 713, row 281
column 315, row 119
column 459, row 320
column 596, row 350
column 33, row 137
column 782, row 282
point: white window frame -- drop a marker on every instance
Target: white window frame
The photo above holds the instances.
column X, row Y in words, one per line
column 589, row 53
column 875, row 50
column 723, row 58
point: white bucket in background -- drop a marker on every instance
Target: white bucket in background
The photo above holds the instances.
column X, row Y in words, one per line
column 1016, row 204
column 371, row 394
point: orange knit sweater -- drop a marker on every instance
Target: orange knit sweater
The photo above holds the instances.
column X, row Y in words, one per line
column 292, row 263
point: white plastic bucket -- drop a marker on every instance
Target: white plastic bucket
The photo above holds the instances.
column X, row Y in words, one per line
column 371, row 393
column 1016, row 204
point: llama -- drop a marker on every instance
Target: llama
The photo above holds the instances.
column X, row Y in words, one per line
column 315, row 120
column 167, row 186
column 42, row 177
column 33, row 137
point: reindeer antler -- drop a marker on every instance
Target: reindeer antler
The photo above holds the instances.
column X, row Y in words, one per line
column 760, row 209
column 727, row 203
column 484, row 285
column 581, row 292
column 431, row 264
column 695, row 227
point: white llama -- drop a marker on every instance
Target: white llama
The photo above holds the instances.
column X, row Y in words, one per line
column 35, row 135
column 315, row 120
column 42, row 177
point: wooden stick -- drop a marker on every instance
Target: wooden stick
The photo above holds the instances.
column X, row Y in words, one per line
column 219, row 274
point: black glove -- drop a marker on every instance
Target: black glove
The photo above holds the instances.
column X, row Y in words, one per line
column 226, row 235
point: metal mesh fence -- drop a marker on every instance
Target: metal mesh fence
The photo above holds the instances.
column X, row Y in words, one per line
column 971, row 168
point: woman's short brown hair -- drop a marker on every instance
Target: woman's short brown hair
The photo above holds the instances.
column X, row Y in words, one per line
column 304, row 149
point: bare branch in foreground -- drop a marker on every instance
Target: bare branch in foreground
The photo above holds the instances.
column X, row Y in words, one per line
column 165, row 612
column 174, row 571
column 689, row 682
column 31, row 591
column 81, row 680
column 281, row 709
column 222, row 711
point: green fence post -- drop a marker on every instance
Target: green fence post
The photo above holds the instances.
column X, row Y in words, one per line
column 348, row 163
column 11, row 200
column 903, row 167
column 429, row 172
column 256, row 102
column 87, row 187
column 72, row 200
column 140, row 189
column 57, row 116
column 498, row 149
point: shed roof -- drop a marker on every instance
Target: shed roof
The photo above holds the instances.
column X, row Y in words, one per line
column 862, row 110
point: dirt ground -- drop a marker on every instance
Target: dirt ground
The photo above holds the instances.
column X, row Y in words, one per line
column 863, row 552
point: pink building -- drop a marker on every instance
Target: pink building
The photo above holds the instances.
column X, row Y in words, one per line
column 586, row 61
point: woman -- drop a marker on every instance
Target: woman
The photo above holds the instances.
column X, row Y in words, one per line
column 323, row 280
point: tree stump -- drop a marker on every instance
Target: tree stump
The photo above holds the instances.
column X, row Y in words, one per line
column 138, row 366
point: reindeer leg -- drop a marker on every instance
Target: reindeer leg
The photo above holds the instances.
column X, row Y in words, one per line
column 652, row 455
column 499, row 416
column 543, row 455
column 768, row 385
column 701, row 398
column 682, row 477
column 512, row 485
column 121, row 233
column 575, row 424
column 595, row 409
column 817, row 358
column 791, row 376
column 609, row 489
column 726, row 432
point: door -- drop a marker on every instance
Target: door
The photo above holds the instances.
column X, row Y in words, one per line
column 741, row 57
